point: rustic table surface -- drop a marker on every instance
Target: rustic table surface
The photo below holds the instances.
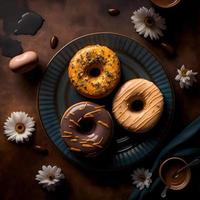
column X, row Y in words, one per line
column 68, row 19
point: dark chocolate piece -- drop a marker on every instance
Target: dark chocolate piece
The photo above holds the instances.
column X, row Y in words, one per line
column 54, row 42
column 41, row 149
column 29, row 24
column 168, row 48
column 113, row 11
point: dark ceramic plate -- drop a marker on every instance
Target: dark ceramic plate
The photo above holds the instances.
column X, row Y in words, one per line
column 56, row 94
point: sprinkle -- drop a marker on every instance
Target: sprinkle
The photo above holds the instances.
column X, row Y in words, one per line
column 71, row 113
column 88, row 116
column 41, row 149
column 92, row 112
column 79, row 119
column 98, row 141
column 83, row 142
column 70, row 126
column 97, row 107
column 89, row 140
column 74, row 140
column 87, row 145
column 71, row 120
column 103, row 123
column 75, row 149
column 67, row 132
column 97, row 145
column 91, row 136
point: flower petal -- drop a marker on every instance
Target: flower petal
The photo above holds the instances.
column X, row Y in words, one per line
column 43, row 176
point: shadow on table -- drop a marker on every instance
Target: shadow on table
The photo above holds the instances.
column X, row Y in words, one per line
column 194, row 91
column 34, row 77
column 61, row 192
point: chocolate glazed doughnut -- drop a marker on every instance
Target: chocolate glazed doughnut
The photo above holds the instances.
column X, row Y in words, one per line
column 87, row 128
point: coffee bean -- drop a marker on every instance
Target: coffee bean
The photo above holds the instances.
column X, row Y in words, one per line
column 168, row 48
column 41, row 149
column 54, row 42
column 113, row 11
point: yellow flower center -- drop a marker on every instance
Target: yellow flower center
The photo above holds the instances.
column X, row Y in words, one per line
column 149, row 21
column 142, row 177
column 184, row 72
column 51, row 177
column 19, row 128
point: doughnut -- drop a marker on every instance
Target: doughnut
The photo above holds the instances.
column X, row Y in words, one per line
column 138, row 105
column 86, row 128
column 94, row 71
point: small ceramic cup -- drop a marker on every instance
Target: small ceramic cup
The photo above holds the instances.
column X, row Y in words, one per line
column 165, row 3
column 167, row 170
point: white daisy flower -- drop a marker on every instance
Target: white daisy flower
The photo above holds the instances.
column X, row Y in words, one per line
column 148, row 23
column 19, row 127
column 49, row 177
column 142, row 178
column 185, row 77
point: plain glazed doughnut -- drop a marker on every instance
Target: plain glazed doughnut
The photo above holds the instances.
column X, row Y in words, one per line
column 87, row 128
column 94, row 71
column 138, row 105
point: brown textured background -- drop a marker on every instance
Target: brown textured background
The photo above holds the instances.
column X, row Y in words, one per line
column 68, row 20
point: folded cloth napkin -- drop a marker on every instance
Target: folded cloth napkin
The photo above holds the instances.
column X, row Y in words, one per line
column 178, row 146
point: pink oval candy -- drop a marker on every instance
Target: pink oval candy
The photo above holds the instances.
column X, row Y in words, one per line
column 24, row 62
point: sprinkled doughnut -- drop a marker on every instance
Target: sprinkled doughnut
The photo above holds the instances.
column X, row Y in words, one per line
column 87, row 128
column 138, row 105
column 94, row 71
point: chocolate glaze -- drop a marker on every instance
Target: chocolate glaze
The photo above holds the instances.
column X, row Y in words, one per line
column 89, row 141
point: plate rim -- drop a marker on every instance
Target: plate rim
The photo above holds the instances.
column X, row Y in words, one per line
column 68, row 43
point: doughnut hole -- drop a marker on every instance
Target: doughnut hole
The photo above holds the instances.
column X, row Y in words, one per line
column 94, row 70
column 136, row 105
column 86, row 125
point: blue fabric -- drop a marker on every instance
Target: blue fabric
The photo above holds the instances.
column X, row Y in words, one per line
column 176, row 147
